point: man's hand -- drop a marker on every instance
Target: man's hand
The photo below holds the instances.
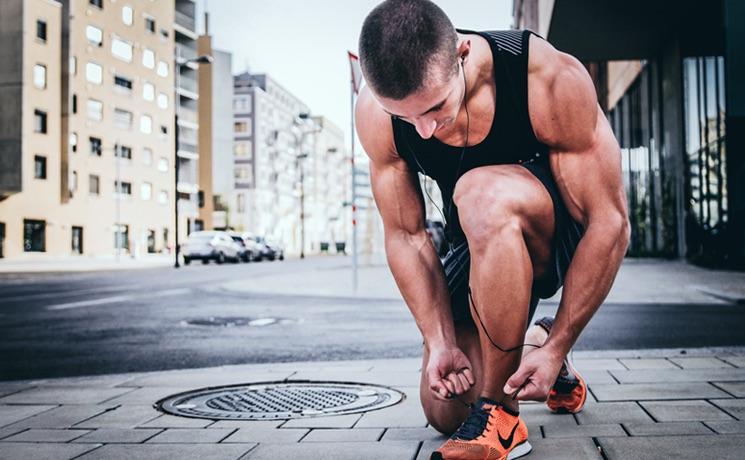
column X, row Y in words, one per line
column 536, row 375
column 449, row 372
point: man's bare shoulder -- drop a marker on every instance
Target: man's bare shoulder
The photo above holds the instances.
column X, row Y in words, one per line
column 375, row 129
column 561, row 97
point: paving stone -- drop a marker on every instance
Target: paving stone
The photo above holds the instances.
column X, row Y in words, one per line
column 597, row 376
column 582, row 431
column 604, row 364
column 338, row 421
column 701, row 363
column 737, row 361
column 280, row 435
column 427, row 448
column 10, row 431
column 666, row 429
column 679, row 411
column 43, row 451
column 170, row 452
column 64, row 395
column 391, row 378
column 648, row 363
column 251, row 424
column 340, row 435
column 656, row 391
column 413, row 434
column 407, row 414
column 62, row 416
column 12, row 414
column 191, row 435
column 736, row 389
column 680, row 375
column 336, row 451
column 612, row 412
column 538, row 414
column 563, row 449
column 171, row 421
column 720, row 447
column 122, row 417
column 729, row 427
column 119, row 435
column 46, row 435
column 149, row 395
column 735, row 407
column 205, row 378
column 10, row 388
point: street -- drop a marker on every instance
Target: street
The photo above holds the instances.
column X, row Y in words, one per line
column 54, row 325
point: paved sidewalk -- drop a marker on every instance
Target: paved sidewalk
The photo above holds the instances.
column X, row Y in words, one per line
column 648, row 404
column 42, row 263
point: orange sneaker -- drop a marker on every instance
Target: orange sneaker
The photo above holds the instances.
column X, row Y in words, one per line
column 491, row 432
column 569, row 393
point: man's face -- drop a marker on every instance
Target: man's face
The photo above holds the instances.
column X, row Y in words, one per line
column 432, row 108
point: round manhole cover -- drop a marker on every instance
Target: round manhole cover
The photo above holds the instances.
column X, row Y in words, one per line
column 279, row 400
column 232, row 321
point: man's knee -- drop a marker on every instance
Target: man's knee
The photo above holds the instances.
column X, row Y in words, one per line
column 444, row 417
column 489, row 210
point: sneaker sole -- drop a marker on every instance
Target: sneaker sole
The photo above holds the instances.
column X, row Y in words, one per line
column 564, row 410
column 518, row 451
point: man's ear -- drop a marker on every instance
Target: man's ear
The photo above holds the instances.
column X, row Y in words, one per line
column 464, row 49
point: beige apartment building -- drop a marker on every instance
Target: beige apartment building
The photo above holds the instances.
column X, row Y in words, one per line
column 89, row 169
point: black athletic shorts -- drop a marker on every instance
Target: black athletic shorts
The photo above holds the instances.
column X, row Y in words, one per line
column 567, row 233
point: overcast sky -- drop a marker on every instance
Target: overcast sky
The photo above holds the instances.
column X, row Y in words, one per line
column 303, row 44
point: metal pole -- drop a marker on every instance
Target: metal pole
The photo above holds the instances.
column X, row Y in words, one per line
column 354, row 195
column 302, row 208
column 176, row 103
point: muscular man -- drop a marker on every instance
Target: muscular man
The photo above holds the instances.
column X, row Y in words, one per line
column 530, row 174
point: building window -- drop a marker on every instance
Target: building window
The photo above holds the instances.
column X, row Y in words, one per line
column 122, row 119
column 149, row 24
column 96, row 3
column 40, row 167
column 94, row 35
column 74, row 103
column 94, row 73
column 121, row 49
column 94, row 183
column 240, row 126
column 162, row 68
column 242, row 104
column 40, row 121
column 40, row 76
column 146, row 191
column 147, row 156
column 73, row 65
column 148, row 91
column 73, row 182
column 164, row 130
column 123, row 84
column 122, row 188
column 241, row 202
column 162, row 100
column 121, row 236
column 163, row 199
column 200, row 198
column 146, row 124
column 242, row 150
column 34, row 235
column 123, row 152
column 94, row 109
column 74, row 142
column 164, row 34
column 41, row 30
column 127, row 15
column 163, row 164
column 95, row 144
column 77, row 240
column 148, row 58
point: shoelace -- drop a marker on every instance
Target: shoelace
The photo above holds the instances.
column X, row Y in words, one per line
column 474, row 425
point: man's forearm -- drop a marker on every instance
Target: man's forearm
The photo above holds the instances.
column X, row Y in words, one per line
column 419, row 276
column 588, row 281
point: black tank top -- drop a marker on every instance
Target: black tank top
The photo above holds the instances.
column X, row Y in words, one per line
column 511, row 139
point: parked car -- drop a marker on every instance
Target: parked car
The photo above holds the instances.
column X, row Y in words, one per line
column 268, row 250
column 210, row 245
column 279, row 251
column 245, row 253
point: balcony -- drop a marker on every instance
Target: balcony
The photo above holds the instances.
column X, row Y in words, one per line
column 184, row 53
column 186, row 21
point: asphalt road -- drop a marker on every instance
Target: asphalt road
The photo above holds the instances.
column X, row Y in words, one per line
column 155, row 319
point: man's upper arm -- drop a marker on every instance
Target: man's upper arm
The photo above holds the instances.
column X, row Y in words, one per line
column 395, row 187
column 585, row 156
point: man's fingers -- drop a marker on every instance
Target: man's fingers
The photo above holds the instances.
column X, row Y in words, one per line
column 469, row 375
column 456, row 383
column 439, row 390
column 517, row 380
column 464, row 381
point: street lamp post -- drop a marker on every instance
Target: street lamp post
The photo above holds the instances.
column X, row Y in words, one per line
column 203, row 59
column 298, row 122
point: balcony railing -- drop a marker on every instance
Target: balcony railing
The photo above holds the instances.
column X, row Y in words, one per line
column 185, row 20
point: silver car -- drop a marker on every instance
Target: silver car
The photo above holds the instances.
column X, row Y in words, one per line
column 210, row 245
